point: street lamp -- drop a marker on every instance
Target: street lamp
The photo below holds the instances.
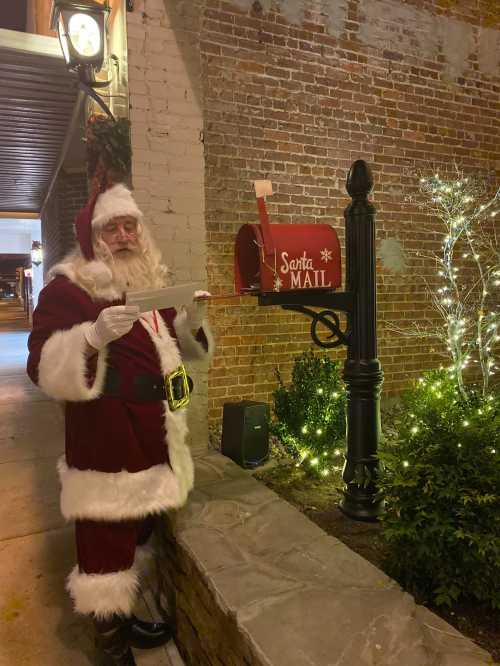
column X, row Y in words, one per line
column 36, row 253
column 81, row 27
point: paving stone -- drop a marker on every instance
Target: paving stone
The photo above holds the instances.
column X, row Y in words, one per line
column 218, row 551
column 31, row 430
column 30, row 497
column 18, row 387
column 345, row 629
column 313, row 565
column 37, row 624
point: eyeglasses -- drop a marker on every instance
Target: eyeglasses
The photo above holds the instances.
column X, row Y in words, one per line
column 129, row 227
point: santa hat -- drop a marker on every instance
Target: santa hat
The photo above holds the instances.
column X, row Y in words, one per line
column 117, row 201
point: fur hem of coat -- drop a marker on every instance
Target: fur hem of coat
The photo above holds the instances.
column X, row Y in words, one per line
column 108, row 496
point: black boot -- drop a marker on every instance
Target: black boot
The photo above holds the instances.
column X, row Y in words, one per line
column 145, row 635
column 112, row 642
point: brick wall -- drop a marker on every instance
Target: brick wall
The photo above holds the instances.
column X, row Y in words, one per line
column 68, row 196
column 295, row 91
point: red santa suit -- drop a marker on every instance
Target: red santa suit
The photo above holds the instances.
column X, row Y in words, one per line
column 126, row 456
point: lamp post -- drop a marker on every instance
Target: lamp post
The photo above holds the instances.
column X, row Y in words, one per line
column 81, row 27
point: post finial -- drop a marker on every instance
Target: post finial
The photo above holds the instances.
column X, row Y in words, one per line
column 359, row 180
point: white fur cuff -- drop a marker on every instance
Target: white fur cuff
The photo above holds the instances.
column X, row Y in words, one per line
column 104, row 594
column 191, row 349
column 62, row 371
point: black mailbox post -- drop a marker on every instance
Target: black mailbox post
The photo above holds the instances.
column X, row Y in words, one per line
column 362, row 372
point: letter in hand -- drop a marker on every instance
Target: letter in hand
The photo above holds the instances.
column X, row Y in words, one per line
column 111, row 324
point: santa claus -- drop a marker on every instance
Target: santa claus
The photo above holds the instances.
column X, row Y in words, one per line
column 121, row 378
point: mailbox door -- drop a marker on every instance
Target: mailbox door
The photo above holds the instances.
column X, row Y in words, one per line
column 306, row 256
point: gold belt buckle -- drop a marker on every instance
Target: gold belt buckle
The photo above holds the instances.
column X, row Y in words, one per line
column 177, row 388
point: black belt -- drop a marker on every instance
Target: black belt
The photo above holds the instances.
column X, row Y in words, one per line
column 147, row 388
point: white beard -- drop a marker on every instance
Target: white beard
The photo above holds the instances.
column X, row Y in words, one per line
column 131, row 271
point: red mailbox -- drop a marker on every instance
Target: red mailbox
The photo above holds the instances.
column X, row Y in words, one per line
column 284, row 257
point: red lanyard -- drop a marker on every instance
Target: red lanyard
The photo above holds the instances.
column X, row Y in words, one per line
column 156, row 322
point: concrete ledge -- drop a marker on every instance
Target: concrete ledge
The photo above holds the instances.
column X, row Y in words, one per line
column 257, row 583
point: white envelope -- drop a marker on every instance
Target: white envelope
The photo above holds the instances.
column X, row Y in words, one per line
column 158, row 299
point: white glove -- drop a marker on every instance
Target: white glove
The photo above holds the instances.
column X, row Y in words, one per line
column 196, row 312
column 111, row 324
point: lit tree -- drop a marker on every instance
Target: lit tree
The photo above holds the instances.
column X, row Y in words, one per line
column 468, row 264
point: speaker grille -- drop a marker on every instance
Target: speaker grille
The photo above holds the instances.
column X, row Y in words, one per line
column 245, row 432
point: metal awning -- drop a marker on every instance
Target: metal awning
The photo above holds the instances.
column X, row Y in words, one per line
column 38, row 97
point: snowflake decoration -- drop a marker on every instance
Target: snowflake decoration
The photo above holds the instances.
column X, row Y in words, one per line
column 278, row 283
column 326, row 255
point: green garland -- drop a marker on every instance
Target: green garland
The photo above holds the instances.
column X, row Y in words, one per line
column 108, row 143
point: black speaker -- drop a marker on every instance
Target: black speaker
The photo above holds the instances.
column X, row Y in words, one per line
column 245, row 432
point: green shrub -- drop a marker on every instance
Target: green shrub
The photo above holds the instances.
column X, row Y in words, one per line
column 310, row 414
column 441, row 480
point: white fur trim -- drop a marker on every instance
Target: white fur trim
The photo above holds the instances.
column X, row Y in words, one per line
column 93, row 495
column 115, row 202
column 175, row 422
column 104, row 594
column 63, row 366
column 98, row 277
column 192, row 350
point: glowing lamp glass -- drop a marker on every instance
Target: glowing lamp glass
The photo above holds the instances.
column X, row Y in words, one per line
column 83, row 30
column 36, row 256
column 63, row 39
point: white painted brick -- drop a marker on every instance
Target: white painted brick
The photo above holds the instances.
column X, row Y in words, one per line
column 157, row 90
column 137, row 115
column 154, row 46
column 156, row 74
column 158, row 159
column 139, row 7
column 136, row 71
column 136, row 31
column 168, row 161
column 139, row 102
column 183, row 108
column 152, row 5
column 187, row 205
column 155, row 16
column 161, row 32
column 158, row 104
column 136, row 45
column 195, row 149
column 175, row 149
